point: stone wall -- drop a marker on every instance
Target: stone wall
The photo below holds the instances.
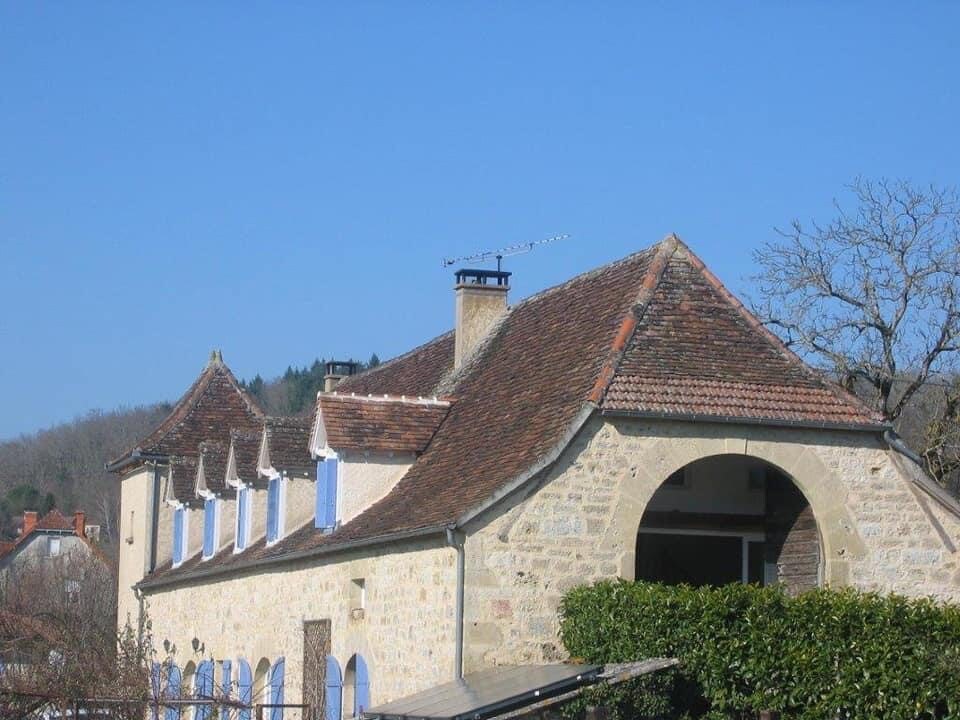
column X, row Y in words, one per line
column 578, row 523
column 405, row 633
column 135, row 509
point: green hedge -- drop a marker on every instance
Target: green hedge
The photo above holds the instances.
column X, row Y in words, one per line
column 743, row 648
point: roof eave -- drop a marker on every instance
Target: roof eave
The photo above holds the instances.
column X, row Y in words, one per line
column 133, row 458
column 867, row 427
column 320, row 551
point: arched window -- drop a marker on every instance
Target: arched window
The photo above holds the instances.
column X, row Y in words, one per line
column 334, row 689
column 204, row 689
column 173, row 691
column 226, row 686
column 276, row 690
column 356, row 687
column 189, row 689
column 244, row 689
column 261, row 682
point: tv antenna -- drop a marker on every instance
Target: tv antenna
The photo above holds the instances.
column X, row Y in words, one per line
column 501, row 253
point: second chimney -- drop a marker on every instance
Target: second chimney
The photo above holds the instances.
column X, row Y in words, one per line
column 481, row 301
column 29, row 521
column 337, row 370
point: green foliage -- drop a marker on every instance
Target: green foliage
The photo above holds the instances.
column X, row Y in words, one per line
column 744, row 648
column 20, row 498
column 294, row 392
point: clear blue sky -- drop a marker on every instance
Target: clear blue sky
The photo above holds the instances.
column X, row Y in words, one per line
column 282, row 180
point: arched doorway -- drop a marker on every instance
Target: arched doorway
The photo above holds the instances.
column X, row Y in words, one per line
column 725, row 519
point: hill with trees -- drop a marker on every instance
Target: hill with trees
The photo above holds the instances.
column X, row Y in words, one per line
column 63, row 466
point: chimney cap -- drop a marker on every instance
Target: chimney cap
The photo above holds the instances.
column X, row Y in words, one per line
column 468, row 276
column 341, row 367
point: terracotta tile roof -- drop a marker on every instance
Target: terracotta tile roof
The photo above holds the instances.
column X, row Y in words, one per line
column 245, row 447
column 288, row 444
column 55, row 520
column 697, row 351
column 417, row 372
column 652, row 332
column 379, row 423
column 213, row 405
column 183, row 476
column 212, row 466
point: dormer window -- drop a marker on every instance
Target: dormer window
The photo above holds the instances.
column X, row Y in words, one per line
column 244, row 498
column 211, row 527
column 275, row 508
column 327, row 485
column 180, row 519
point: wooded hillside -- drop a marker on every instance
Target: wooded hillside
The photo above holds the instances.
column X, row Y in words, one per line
column 63, row 466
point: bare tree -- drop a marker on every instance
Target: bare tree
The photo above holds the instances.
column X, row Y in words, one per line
column 875, row 296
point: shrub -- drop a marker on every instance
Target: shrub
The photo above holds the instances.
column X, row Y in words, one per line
column 744, row 648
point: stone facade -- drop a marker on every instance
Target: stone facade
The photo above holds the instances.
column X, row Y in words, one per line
column 574, row 524
column 405, row 631
column 579, row 523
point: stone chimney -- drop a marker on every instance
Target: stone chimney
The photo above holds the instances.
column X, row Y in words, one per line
column 29, row 521
column 79, row 523
column 337, row 370
column 481, row 301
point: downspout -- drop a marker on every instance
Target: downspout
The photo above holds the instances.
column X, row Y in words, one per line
column 154, row 519
column 456, row 541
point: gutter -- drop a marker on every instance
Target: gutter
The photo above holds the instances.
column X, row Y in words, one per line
column 456, row 540
column 736, row 420
column 922, row 479
column 134, row 457
column 154, row 518
column 320, row 551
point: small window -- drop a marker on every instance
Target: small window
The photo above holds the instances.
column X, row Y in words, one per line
column 275, row 509
column 358, row 594
column 53, row 546
column 179, row 535
column 210, row 527
column 243, row 518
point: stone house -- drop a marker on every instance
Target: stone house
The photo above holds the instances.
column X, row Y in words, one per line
column 635, row 421
column 45, row 540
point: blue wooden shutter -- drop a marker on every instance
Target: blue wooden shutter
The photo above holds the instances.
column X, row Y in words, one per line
column 242, row 510
column 172, row 692
column 244, row 688
column 334, row 689
column 361, row 692
column 209, row 525
column 178, row 535
column 331, row 499
column 276, row 690
column 273, row 509
column 226, row 684
column 320, row 511
column 204, row 688
column 154, row 689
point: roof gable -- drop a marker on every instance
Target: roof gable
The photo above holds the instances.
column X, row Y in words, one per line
column 695, row 351
column 285, row 447
column 378, row 423
column 213, row 405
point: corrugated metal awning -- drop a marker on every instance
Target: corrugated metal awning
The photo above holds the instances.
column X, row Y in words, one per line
column 488, row 693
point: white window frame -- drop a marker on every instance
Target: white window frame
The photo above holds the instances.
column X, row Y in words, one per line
column 185, row 535
column 281, row 479
column 245, row 489
column 54, row 541
column 745, row 539
column 216, row 526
